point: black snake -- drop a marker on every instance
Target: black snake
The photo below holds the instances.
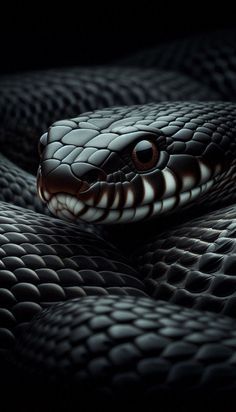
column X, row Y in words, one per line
column 145, row 307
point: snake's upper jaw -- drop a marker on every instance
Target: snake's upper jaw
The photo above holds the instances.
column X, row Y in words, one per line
column 76, row 179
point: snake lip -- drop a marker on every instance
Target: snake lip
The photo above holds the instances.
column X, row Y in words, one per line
column 42, row 192
column 84, row 188
column 71, row 208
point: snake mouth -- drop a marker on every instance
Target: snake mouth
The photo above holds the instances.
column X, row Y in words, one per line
column 70, row 208
column 141, row 199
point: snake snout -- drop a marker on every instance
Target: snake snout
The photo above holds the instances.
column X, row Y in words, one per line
column 88, row 173
column 72, row 179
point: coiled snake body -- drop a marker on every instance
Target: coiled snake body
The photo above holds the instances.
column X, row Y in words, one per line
column 155, row 312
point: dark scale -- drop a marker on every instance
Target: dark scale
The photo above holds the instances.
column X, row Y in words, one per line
column 146, row 309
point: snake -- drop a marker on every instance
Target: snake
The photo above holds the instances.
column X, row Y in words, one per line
column 117, row 275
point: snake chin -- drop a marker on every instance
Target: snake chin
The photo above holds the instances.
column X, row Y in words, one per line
column 70, row 208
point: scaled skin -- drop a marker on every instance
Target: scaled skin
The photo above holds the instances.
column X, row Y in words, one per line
column 87, row 170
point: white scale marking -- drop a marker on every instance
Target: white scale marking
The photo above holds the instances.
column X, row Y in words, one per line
column 59, row 214
column 103, row 202
column 184, row 198
column 209, row 184
column 116, row 200
column 69, row 207
column 127, row 215
column 205, row 172
column 195, row 192
column 168, row 204
column 90, row 201
column 70, row 202
column 67, row 214
column 61, row 198
column 141, row 212
column 157, row 207
column 95, row 215
column 41, row 194
column 149, row 193
column 113, row 216
column 187, row 183
column 53, row 202
column 170, row 182
column 90, row 215
column 44, row 194
column 130, row 198
column 78, row 207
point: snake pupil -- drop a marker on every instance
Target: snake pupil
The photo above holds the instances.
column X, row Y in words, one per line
column 145, row 155
column 144, row 151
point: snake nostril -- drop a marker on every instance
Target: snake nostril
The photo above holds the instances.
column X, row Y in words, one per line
column 93, row 175
column 86, row 172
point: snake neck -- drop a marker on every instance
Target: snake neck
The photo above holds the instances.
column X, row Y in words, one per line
column 222, row 194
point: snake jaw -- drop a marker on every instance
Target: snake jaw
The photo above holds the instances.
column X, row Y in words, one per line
column 71, row 208
column 151, row 194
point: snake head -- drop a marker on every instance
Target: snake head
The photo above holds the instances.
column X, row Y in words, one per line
column 127, row 164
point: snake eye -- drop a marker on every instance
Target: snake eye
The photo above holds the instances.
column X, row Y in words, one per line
column 42, row 143
column 145, row 155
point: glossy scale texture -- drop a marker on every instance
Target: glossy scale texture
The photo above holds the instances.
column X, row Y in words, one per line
column 153, row 313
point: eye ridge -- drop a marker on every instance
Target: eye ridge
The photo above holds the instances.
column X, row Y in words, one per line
column 145, row 155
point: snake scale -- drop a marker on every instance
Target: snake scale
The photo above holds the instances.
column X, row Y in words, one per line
column 136, row 278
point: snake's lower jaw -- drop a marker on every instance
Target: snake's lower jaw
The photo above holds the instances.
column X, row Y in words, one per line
column 72, row 208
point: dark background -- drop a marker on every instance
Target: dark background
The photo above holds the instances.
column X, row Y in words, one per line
column 86, row 33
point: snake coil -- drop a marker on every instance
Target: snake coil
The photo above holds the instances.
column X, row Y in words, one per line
column 145, row 307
